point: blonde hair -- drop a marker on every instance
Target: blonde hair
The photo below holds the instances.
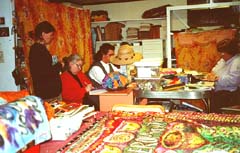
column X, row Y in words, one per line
column 74, row 58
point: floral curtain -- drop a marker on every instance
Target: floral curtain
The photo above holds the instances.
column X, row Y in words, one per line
column 197, row 51
column 73, row 32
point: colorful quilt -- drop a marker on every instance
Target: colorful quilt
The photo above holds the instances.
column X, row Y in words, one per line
column 149, row 132
column 22, row 122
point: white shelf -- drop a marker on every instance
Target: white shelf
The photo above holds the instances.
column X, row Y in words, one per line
column 138, row 47
column 128, row 20
column 125, row 40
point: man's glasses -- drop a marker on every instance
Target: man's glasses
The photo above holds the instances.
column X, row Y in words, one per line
column 110, row 55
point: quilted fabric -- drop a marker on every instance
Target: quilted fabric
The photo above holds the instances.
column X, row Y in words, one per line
column 115, row 80
column 22, row 122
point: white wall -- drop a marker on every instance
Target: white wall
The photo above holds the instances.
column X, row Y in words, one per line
column 6, row 46
column 134, row 10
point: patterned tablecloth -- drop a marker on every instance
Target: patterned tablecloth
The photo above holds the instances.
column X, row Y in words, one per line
column 148, row 132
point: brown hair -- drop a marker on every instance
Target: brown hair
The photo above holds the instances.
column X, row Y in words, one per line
column 103, row 51
column 229, row 46
column 44, row 26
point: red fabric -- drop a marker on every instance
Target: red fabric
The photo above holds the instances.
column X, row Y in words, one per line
column 71, row 90
column 10, row 96
column 33, row 149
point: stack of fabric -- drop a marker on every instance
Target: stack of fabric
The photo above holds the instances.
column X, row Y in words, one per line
column 99, row 15
column 145, row 26
column 65, row 123
column 113, row 31
column 144, row 31
column 132, row 33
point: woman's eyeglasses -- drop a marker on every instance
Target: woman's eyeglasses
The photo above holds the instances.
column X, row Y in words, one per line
column 79, row 66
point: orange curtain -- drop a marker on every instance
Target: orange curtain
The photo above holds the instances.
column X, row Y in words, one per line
column 73, row 32
column 197, row 51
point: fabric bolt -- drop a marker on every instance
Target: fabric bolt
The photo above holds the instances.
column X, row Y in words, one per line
column 229, row 74
column 21, row 122
column 45, row 76
column 97, row 74
column 71, row 90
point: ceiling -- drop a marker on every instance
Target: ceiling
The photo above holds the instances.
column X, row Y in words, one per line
column 90, row 2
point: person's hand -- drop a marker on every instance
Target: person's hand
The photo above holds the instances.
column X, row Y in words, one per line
column 88, row 87
column 211, row 77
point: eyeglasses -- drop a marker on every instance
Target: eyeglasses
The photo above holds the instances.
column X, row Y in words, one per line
column 79, row 66
column 110, row 55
